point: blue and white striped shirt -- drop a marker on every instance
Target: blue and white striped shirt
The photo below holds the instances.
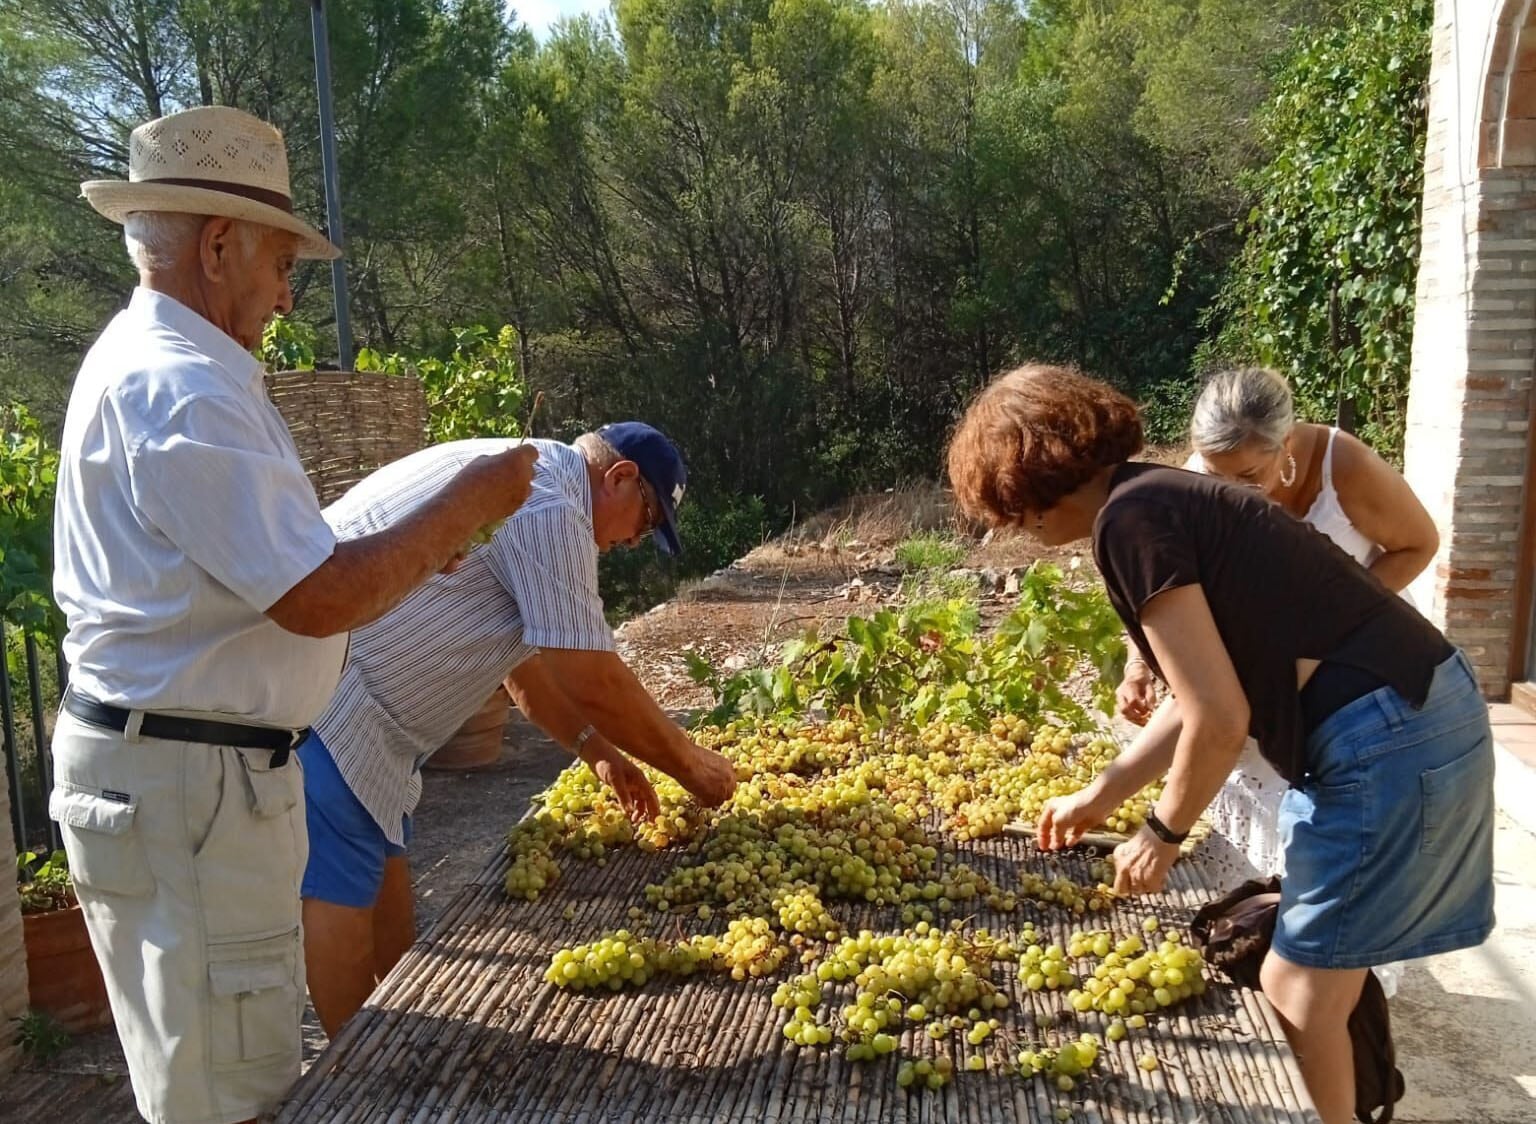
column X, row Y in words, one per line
column 413, row 676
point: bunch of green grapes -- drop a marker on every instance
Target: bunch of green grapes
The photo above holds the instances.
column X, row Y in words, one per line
column 749, row 947
column 1069, row 895
column 802, row 911
column 486, row 533
column 614, row 960
column 937, row 973
column 923, row 1073
column 1044, row 966
column 1064, row 1065
column 1133, row 980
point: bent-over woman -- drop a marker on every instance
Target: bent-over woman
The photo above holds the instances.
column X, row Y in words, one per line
column 1260, row 626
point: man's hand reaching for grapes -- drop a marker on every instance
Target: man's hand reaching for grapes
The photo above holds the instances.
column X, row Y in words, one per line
column 623, row 776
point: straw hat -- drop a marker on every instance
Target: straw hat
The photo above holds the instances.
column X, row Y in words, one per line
column 213, row 160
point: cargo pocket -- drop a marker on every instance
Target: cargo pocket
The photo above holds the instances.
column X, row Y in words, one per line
column 255, row 989
column 271, row 791
column 1457, row 801
column 106, row 852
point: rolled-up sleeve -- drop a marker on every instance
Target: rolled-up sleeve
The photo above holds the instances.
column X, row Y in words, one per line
column 547, row 560
column 231, row 499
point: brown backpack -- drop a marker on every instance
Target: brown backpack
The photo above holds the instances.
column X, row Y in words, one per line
column 1234, row 933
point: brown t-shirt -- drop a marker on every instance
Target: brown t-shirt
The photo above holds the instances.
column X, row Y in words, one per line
column 1279, row 590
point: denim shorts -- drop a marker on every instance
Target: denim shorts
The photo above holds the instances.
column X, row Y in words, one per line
column 1389, row 839
column 347, row 848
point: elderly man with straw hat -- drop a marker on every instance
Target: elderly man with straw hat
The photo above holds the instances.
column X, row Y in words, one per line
column 209, row 605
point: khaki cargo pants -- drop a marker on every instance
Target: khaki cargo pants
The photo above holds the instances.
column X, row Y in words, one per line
column 187, row 860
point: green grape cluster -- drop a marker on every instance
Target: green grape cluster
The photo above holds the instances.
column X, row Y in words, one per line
column 1063, row 1065
column 749, row 947
column 486, row 533
column 1043, row 967
column 1131, row 979
column 614, row 961
column 925, row 1074
column 802, row 911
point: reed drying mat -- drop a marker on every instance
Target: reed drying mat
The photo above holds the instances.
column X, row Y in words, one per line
column 466, row 1030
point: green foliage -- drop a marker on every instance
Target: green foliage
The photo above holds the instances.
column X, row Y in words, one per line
column 29, row 468
column 476, row 391
column 287, row 345
column 929, row 552
column 930, row 662
column 43, row 881
column 714, row 531
column 1323, row 289
column 796, row 235
column 40, row 1035
column 1165, row 409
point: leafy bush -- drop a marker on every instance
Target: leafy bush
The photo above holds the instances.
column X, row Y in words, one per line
column 929, row 552
column 1323, row 288
column 477, row 391
column 44, row 882
column 40, row 1035
column 1165, row 409
column 29, row 470
column 287, row 345
column 715, row 532
column 929, row 662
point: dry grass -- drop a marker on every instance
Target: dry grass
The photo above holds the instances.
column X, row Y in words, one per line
column 879, row 518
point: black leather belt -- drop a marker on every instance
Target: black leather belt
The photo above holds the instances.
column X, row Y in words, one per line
column 280, row 742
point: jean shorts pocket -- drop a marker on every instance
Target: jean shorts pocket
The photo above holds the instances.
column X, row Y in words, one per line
column 1456, row 799
column 106, row 852
column 255, row 998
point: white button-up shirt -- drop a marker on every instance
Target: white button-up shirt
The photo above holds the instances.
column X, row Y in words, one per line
column 183, row 514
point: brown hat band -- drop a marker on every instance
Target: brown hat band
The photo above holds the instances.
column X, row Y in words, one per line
column 256, row 194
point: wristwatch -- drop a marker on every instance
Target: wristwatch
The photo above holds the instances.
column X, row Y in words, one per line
column 582, row 738
column 1163, row 831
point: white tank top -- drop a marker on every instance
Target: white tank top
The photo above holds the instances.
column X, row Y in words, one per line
column 1326, row 513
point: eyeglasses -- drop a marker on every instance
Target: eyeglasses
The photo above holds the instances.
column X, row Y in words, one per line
column 652, row 518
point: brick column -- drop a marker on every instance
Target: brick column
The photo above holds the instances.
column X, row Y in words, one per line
column 1475, row 328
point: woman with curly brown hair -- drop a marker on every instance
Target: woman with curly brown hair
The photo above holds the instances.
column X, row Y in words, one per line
column 1261, row 625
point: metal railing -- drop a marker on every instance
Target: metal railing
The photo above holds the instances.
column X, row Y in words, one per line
column 32, row 676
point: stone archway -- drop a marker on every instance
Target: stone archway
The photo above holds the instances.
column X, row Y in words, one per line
column 1468, row 450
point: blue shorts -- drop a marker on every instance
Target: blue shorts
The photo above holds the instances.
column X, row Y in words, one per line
column 1389, row 841
column 347, row 848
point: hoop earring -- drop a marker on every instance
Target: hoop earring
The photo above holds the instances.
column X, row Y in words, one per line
column 1288, row 475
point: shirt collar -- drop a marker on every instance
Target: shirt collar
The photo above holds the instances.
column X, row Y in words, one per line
column 159, row 308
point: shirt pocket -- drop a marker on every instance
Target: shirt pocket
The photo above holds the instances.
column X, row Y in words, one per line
column 101, row 835
column 256, row 998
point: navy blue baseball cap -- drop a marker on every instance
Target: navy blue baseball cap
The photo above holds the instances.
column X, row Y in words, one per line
column 662, row 466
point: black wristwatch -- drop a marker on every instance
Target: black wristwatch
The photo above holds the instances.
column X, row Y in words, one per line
column 1163, row 831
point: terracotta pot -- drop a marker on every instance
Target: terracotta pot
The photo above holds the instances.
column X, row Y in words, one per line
column 477, row 743
column 63, row 978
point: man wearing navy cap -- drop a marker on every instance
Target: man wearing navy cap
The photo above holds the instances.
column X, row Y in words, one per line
column 523, row 610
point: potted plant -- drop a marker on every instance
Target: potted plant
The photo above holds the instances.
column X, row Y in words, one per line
column 477, row 743
column 63, row 979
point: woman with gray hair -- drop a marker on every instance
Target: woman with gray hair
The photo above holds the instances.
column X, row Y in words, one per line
column 1244, row 430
